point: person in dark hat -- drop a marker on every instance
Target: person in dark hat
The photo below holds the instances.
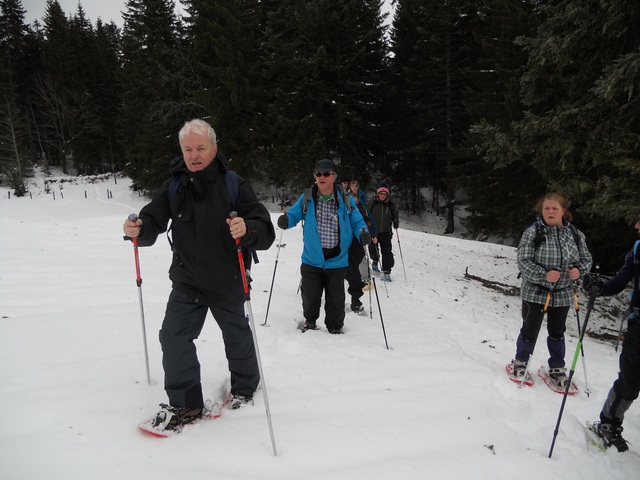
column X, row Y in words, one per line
column 330, row 221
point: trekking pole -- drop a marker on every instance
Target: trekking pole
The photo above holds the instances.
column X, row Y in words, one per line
column 247, row 303
column 544, row 310
column 401, row 257
column 592, row 299
column 366, row 255
column 133, row 217
column 584, row 365
column 266, row 315
column 380, row 311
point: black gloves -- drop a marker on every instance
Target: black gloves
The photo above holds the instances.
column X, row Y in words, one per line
column 592, row 283
column 283, row 222
column 365, row 238
column 395, row 225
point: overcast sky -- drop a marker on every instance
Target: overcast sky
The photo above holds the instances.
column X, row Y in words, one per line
column 107, row 10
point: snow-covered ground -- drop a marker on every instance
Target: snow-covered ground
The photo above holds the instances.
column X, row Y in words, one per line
column 436, row 404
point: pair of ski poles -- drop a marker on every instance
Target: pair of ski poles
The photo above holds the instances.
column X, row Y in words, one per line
column 133, row 217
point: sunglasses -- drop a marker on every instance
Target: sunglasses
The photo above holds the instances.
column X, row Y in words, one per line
column 324, row 174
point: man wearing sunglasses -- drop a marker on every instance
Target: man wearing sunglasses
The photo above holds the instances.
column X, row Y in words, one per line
column 327, row 233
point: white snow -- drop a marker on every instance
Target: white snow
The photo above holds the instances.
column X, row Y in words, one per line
column 436, row 404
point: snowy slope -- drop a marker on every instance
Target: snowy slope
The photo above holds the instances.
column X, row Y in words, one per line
column 437, row 404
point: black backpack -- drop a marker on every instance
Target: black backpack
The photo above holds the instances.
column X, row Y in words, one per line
column 541, row 236
column 233, row 188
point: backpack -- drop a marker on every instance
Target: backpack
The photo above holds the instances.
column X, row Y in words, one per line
column 541, row 236
column 231, row 179
column 307, row 194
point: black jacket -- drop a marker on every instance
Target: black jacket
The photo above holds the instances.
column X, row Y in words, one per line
column 205, row 259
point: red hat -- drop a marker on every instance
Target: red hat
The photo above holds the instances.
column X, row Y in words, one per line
column 383, row 189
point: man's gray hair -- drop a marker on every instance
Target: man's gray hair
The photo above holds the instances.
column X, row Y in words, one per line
column 199, row 127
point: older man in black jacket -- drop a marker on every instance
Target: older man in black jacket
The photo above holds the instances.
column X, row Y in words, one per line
column 205, row 271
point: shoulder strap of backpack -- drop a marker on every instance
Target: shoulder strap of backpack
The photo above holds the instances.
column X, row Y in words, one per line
column 233, row 188
column 636, row 266
column 305, row 201
column 346, row 198
column 231, row 178
column 173, row 186
column 576, row 236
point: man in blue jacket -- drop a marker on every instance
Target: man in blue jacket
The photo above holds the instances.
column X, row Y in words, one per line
column 327, row 233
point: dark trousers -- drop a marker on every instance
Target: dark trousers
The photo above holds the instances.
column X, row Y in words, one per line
column 182, row 325
column 384, row 243
column 314, row 282
column 627, row 386
column 353, row 275
column 532, row 316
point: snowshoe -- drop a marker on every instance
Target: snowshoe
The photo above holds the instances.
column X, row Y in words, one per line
column 517, row 372
column 610, row 435
column 557, row 380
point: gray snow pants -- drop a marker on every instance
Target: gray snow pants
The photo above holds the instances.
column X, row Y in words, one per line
column 182, row 325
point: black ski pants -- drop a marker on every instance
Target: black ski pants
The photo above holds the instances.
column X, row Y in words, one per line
column 182, row 325
column 384, row 243
column 314, row 282
column 532, row 317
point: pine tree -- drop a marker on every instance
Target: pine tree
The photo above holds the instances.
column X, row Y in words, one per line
column 326, row 60
column 152, row 112
column 581, row 130
column 494, row 104
column 431, row 46
column 13, row 161
column 226, row 52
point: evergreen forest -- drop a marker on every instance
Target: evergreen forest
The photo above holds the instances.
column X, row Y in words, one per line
column 482, row 105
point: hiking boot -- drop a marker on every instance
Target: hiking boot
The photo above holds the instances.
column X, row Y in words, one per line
column 309, row 326
column 612, row 435
column 386, row 276
column 172, row 418
column 237, row 401
column 374, row 267
column 335, row 331
column 519, row 368
column 558, row 377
